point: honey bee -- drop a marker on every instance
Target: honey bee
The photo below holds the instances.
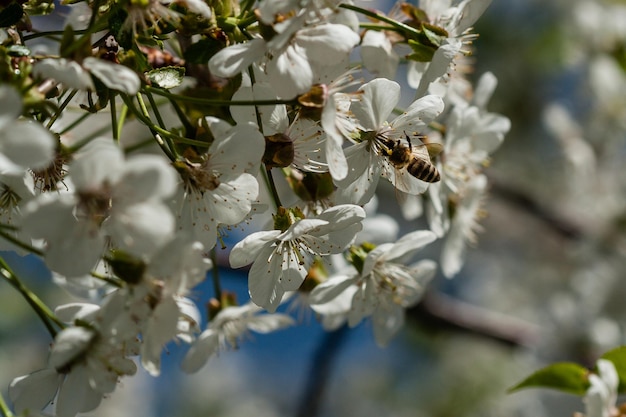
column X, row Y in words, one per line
column 412, row 159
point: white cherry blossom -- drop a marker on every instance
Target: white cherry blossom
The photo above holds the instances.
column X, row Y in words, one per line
column 227, row 328
column 601, row 395
column 114, row 198
column 457, row 21
column 288, row 70
column 281, row 258
column 367, row 159
column 383, row 289
column 218, row 188
column 23, row 143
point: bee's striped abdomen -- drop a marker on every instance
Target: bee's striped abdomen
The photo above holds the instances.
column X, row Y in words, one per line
column 423, row 170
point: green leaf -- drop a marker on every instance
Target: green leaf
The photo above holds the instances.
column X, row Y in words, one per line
column 10, row 15
column 421, row 53
column 167, row 77
column 432, row 35
column 618, row 357
column 563, row 376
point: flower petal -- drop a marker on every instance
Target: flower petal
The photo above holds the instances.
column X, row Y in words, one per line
column 247, row 250
column 236, row 58
column 378, row 100
column 34, row 391
column 115, row 76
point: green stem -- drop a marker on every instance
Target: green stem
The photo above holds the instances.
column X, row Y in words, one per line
column 156, row 130
column 61, row 108
column 75, row 123
column 371, row 26
column 19, row 243
column 112, row 281
column 114, row 122
column 45, row 314
column 211, row 102
column 50, row 33
column 4, row 408
column 217, row 287
column 244, row 23
column 121, row 120
column 269, row 178
column 398, row 25
column 93, row 27
column 182, row 117
column 246, row 6
column 155, row 110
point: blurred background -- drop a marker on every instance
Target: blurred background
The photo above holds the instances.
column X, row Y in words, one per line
column 544, row 283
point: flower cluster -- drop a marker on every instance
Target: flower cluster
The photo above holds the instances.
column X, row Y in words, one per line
column 210, row 119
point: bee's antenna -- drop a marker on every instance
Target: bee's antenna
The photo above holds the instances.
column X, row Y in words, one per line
column 408, row 138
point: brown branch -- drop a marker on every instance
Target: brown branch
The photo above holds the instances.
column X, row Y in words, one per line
column 438, row 312
column 556, row 222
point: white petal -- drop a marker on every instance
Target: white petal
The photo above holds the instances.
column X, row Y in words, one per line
column 387, row 323
column 418, row 114
column 273, row 118
column 338, row 306
column 408, row 243
column 76, row 395
column 10, row 106
column 70, row 73
column 69, row 344
column 293, row 272
column 34, row 391
column 114, row 76
column 236, row 58
column 301, row 227
column 77, row 253
column 146, row 177
column 331, row 288
column 290, row 72
column 378, row 54
column 247, row 250
column 263, row 280
column 438, row 66
column 28, row 144
column 229, row 155
column 361, row 190
column 363, row 304
column 72, row 311
column 335, row 157
column 160, row 328
column 484, row 89
column 201, row 351
column 141, row 228
column 472, row 10
column 100, row 161
column 267, row 323
column 327, row 43
column 231, row 202
column 378, row 100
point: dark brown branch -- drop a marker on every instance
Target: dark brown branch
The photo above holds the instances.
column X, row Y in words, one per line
column 555, row 222
column 438, row 312
column 320, row 372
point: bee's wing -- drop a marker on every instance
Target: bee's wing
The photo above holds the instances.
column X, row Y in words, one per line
column 434, row 149
column 403, row 180
column 427, row 151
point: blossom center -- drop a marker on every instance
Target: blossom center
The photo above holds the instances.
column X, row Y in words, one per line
column 95, row 204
